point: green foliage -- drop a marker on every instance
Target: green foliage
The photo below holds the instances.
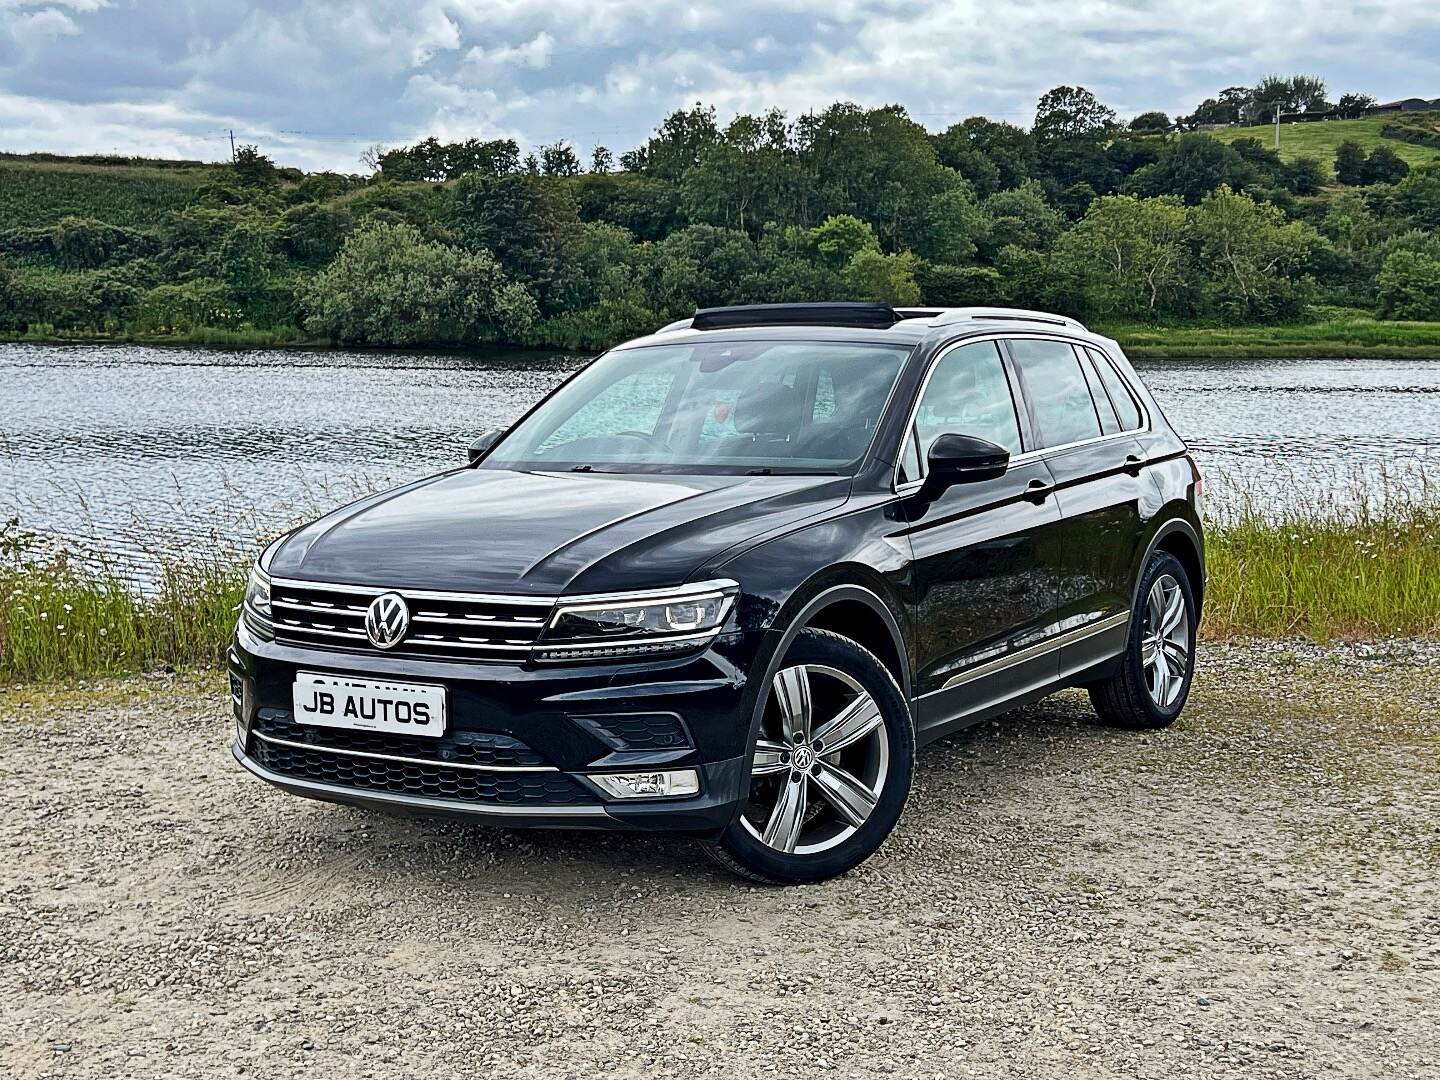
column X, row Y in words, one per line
column 1128, row 256
column 871, row 275
column 1078, row 215
column 1150, row 121
column 958, row 286
column 1243, row 250
column 1409, row 286
column 1192, row 167
column 39, row 194
column 1071, row 112
column 840, row 238
column 390, row 286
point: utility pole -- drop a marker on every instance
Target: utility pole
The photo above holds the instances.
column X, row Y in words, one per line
column 232, row 143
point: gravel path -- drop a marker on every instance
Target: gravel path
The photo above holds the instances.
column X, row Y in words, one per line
column 1253, row 893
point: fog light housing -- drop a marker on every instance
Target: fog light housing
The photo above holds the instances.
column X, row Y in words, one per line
column 648, row 785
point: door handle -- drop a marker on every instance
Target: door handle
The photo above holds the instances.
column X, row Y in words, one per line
column 1037, row 490
column 1134, row 463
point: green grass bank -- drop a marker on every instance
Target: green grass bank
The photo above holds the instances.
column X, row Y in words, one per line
column 1322, row 572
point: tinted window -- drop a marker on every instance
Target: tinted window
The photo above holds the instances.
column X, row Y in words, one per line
column 1120, row 395
column 1056, row 388
column 968, row 394
column 1109, row 422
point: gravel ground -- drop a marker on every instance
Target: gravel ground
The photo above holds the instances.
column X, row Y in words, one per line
column 1253, row 892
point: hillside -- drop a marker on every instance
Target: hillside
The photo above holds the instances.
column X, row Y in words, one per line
column 133, row 192
column 1319, row 139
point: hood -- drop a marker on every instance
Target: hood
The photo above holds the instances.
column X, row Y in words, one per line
column 492, row 530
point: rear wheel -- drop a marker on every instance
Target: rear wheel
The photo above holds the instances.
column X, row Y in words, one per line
column 830, row 770
column 1155, row 672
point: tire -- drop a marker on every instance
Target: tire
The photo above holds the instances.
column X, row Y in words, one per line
column 810, row 813
column 1134, row 697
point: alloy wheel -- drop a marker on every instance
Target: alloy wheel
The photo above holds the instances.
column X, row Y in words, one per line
column 1165, row 643
column 820, row 762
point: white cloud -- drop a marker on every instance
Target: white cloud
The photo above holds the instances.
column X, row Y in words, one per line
column 314, row 80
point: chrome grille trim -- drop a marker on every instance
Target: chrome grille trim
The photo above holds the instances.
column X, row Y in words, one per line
column 443, row 625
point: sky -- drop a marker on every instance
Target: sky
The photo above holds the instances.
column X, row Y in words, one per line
column 314, row 82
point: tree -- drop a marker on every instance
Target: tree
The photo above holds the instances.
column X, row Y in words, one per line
column 1225, row 109
column 1128, row 256
column 1192, row 166
column 1419, row 196
column 840, row 238
column 390, row 286
column 601, row 160
column 559, row 159
column 1385, row 166
column 888, row 278
column 1298, row 93
column 1354, row 106
column 1350, row 163
column 1245, row 251
column 1303, row 176
column 1151, row 121
column 954, row 225
column 1071, row 112
column 1408, row 286
column 252, row 168
column 1006, row 147
column 1022, row 218
column 677, row 143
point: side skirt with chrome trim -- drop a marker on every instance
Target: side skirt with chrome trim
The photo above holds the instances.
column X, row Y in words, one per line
column 1059, row 641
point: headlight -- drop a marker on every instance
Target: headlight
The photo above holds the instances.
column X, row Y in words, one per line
column 257, row 595
column 637, row 624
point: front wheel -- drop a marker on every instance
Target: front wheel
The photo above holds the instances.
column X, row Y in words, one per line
column 1150, row 688
column 830, row 770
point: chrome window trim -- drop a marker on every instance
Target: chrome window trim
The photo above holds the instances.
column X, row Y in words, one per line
column 1129, row 389
column 1029, row 455
column 404, row 759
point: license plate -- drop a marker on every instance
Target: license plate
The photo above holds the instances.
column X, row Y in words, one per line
column 368, row 705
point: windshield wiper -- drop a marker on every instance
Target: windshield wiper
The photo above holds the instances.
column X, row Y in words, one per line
column 767, row 471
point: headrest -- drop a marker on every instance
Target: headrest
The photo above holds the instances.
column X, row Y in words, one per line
column 768, row 408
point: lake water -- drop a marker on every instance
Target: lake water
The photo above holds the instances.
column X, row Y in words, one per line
column 123, row 446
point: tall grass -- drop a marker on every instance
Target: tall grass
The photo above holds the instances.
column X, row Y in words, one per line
column 41, row 193
column 60, row 617
column 1326, row 568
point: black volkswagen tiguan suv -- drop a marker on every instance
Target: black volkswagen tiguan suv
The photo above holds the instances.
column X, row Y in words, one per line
column 728, row 577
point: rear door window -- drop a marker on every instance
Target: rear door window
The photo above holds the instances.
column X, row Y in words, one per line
column 1056, row 389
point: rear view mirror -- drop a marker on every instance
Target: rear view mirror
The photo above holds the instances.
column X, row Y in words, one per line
column 481, row 446
column 962, row 459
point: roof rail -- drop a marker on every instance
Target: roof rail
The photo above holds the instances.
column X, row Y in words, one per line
column 946, row 316
column 833, row 313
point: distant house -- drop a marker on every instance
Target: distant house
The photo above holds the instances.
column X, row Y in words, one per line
column 1409, row 104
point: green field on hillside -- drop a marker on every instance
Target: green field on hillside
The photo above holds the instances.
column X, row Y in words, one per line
column 1320, row 138
column 42, row 192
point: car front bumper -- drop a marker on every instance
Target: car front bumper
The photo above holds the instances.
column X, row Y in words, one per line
column 522, row 741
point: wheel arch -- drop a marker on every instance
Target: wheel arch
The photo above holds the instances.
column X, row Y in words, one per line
column 1183, row 539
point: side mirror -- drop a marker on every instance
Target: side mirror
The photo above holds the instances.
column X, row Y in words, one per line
column 962, row 459
column 481, row 446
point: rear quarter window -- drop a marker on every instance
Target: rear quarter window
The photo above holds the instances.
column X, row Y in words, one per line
column 1121, row 396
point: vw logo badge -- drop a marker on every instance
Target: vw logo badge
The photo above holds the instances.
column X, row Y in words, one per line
column 387, row 620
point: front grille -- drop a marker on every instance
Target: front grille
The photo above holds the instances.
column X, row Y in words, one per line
column 416, row 778
column 481, row 748
column 453, row 626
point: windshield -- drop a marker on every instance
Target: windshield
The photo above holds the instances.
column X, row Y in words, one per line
column 747, row 407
